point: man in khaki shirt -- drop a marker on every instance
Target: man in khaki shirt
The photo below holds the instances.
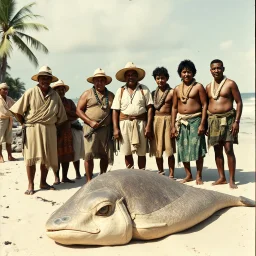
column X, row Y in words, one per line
column 5, row 121
column 132, row 115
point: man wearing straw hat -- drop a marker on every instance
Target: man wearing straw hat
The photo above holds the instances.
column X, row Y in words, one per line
column 39, row 110
column 69, row 141
column 5, row 121
column 132, row 115
column 94, row 108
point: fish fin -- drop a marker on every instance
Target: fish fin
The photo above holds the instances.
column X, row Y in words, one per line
column 150, row 225
column 247, row 202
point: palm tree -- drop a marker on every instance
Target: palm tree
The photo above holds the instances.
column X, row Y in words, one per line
column 16, row 87
column 12, row 28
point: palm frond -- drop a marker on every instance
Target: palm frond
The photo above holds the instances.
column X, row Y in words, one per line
column 30, row 25
column 9, row 32
column 7, row 8
column 23, row 11
column 24, row 18
column 33, row 42
column 5, row 47
column 24, row 49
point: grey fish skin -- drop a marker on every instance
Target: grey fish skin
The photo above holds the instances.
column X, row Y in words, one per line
column 127, row 204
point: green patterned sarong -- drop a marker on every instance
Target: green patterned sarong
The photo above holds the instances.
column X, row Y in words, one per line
column 190, row 145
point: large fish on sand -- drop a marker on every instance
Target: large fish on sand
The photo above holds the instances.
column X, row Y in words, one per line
column 122, row 205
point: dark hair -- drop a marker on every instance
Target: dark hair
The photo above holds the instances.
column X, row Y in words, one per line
column 188, row 64
column 216, row 61
column 160, row 71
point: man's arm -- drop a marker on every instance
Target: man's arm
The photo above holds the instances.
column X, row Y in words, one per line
column 115, row 120
column 239, row 107
column 174, row 112
column 81, row 106
column 148, row 128
column 203, row 100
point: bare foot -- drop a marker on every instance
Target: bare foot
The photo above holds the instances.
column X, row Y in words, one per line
column 10, row 158
column 161, row 172
column 220, row 181
column 172, row 177
column 1, row 159
column 30, row 191
column 78, row 177
column 47, row 187
column 199, row 181
column 232, row 185
column 67, row 180
column 187, row 179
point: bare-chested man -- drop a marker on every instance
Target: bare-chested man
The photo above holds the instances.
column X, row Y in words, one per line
column 94, row 108
column 190, row 103
column 223, row 120
column 162, row 140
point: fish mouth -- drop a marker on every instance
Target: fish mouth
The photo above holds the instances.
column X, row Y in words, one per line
column 51, row 231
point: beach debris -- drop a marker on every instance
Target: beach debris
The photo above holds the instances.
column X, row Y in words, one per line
column 46, row 200
column 7, row 242
column 122, row 205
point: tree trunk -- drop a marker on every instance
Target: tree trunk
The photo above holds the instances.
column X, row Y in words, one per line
column 3, row 69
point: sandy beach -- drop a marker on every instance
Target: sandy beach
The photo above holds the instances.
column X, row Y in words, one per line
column 228, row 232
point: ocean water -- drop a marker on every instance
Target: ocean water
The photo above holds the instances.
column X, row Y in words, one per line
column 247, row 124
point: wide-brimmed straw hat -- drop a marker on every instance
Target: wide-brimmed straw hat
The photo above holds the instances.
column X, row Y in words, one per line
column 4, row 86
column 44, row 71
column 97, row 73
column 130, row 66
column 60, row 83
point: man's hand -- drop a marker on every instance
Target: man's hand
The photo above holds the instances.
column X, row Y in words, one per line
column 116, row 133
column 174, row 132
column 148, row 133
column 235, row 129
column 201, row 130
column 94, row 124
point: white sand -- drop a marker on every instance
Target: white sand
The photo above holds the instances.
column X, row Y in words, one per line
column 227, row 232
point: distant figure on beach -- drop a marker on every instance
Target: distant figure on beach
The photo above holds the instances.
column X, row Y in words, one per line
column 223, row 120
column 133, row 115
column 190, row 108
column 6, row 122
column 162, row 141
column 94, row 108
column 65, row 144
column 39, row 110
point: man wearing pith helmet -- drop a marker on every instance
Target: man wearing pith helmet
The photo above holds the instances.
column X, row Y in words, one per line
column 39, row 110
column 94, row 108
column 132, row 115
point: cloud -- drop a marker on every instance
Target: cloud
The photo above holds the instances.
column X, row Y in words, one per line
column 226, row 45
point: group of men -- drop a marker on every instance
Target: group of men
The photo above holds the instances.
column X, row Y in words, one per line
column 134, row 120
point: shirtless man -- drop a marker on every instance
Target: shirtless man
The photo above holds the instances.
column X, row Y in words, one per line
column 223, row 120
column 162, row 140
column 94, row 108
column 190, row 103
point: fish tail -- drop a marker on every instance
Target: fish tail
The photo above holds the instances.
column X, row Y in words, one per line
column 246, row 202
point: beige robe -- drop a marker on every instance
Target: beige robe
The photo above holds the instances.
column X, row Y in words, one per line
column 41, row 114
column 6, row 119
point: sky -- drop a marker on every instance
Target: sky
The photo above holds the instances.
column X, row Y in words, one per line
column 88, row 34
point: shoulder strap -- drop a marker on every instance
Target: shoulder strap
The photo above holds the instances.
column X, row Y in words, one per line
column 122, row 91
column 123, row 88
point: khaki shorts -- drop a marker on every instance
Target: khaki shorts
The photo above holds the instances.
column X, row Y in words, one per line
column 125, row 143
column 5, row 132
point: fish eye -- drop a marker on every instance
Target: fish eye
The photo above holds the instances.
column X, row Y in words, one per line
column 65, row 218
column 104, row 211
